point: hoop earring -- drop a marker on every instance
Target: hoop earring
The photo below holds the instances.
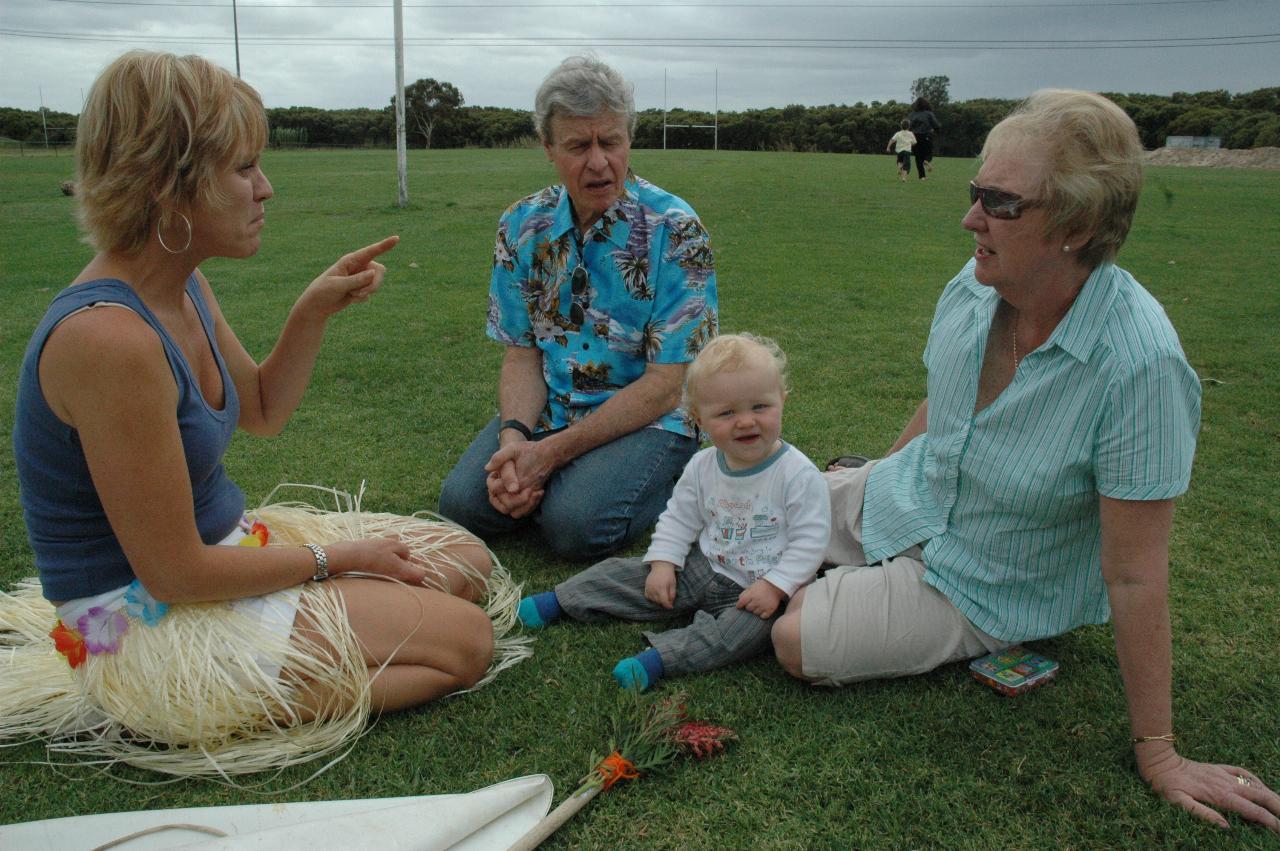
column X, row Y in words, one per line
column 160, row 237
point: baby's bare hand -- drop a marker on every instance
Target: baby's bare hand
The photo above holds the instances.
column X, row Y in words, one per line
column 761, row 599
column 660, row 586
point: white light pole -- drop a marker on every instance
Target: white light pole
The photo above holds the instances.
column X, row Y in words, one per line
column 235, row 26
column 664, row 109
column 402, row 162
column 43, row 123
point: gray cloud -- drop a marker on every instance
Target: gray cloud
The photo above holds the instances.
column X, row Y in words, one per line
column 299, row 54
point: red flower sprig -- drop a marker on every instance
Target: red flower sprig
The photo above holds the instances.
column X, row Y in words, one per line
column 702, row 739
column 647, row 734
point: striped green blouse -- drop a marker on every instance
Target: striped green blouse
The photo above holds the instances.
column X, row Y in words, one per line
column 1006, row 501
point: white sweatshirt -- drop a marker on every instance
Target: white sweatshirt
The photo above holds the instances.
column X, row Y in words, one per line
column 772, row 520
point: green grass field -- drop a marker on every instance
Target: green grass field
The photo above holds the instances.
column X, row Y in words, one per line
column 842, row 264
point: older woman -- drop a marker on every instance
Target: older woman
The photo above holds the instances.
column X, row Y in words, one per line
column 1033, row 490
column 603, row 290
column 237, row 657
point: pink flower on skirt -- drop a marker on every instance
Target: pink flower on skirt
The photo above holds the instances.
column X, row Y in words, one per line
column 102, row 630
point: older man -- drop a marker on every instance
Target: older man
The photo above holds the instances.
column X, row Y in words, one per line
column 603, row 290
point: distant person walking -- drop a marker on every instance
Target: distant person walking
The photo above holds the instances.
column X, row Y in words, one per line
column 902, row 143
column 923, row 123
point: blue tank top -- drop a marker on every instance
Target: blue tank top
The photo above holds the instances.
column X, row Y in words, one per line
column 77, row 553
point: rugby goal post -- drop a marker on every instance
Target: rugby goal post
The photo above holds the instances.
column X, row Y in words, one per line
column 714, row 127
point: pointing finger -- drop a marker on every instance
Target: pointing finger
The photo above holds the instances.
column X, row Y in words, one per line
column 360, row 258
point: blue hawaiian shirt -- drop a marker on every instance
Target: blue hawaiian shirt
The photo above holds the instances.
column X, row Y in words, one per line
column 649, row 294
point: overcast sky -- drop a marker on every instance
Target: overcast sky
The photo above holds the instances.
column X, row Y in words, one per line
column 340, row 53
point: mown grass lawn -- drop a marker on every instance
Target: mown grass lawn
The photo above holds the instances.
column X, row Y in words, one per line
column 842, row 264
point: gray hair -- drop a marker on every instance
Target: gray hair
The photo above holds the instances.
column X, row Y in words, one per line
column 582, row 86
column 1093, row 164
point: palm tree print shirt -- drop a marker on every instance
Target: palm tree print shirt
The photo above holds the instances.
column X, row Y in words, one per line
column 647, row 294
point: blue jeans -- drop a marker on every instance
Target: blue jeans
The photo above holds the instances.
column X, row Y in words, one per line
column 593, row 506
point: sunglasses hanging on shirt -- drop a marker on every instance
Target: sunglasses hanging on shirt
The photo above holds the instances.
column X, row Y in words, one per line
column 580, row 287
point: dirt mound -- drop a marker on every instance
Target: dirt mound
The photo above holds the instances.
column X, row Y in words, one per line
column 1219, row 158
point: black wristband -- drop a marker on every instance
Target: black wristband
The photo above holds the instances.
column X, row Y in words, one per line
column 518, row 426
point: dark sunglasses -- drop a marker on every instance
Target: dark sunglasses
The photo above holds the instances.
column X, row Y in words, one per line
column 578, row 285
column 997, row 204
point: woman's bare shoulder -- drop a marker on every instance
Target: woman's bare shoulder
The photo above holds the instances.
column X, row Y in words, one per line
column 108, row 345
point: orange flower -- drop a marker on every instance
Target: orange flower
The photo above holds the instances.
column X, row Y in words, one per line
column 69, row 643
column 616, row 767
column 257, row 536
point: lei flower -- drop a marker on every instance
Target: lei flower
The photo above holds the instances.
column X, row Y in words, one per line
column 69, row 643
column 102, row 630
column 256, row 536
column 144, row 607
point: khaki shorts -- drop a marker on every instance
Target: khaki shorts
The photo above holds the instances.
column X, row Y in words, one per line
column 862, row 622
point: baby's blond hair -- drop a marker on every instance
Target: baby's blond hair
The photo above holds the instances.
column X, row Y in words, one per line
column 731, row 352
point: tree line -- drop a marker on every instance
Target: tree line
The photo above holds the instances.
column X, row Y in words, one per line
column 438, row 118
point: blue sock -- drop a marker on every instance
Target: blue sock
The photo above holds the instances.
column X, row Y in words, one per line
column 539, row 610
column 640, row 671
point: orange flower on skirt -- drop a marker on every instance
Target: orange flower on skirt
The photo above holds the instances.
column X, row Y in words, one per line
column 257, row 536
column 69, row 643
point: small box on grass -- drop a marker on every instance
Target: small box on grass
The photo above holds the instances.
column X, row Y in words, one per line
column 1013, row 670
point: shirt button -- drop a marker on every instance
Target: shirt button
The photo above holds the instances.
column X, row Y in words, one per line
column 586, row 346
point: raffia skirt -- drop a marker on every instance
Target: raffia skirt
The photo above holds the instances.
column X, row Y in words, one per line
column 205, row 690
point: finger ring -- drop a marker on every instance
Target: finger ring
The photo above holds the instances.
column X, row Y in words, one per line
column 1243, row 781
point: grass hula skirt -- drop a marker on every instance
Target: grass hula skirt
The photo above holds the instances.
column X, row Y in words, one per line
column 181, row 689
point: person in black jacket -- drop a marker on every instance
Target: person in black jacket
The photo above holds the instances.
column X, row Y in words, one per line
column 923, row 123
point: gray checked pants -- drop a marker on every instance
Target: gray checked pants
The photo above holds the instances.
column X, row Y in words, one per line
column 720, row 633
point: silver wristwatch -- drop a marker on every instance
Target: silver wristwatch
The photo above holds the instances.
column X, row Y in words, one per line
column 322, row 562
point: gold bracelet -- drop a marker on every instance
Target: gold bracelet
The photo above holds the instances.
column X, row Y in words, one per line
column 1167, row 737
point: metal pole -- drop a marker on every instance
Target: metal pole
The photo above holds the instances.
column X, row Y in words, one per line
column 43, row 123
column 664, row 109
column 235, row 25
column 716, row 132
column 402, row 161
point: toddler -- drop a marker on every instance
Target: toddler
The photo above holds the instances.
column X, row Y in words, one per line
column 902, row 142
column 746, row 525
